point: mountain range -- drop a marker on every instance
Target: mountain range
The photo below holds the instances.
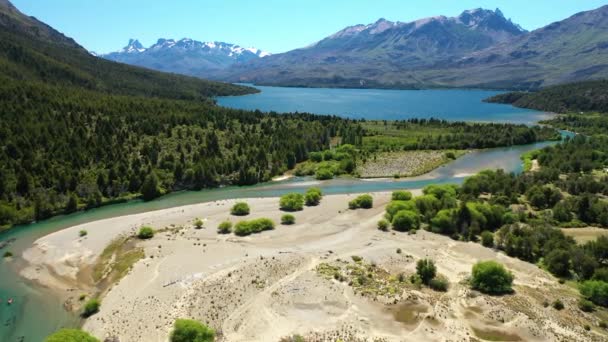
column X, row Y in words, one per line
column 479, row 48
column 185, row 56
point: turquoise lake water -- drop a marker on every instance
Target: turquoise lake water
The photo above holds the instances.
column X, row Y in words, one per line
column 36, row 313
column 375, row 104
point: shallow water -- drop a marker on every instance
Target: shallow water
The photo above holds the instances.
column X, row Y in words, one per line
column 36, row 313
column 381, row 104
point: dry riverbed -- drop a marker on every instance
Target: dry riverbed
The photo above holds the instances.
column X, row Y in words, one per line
column 404, row 163
column 274, row 285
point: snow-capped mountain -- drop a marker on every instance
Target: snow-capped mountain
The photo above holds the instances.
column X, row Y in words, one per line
column 185, row 56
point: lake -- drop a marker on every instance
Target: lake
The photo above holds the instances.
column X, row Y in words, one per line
column 381, row 104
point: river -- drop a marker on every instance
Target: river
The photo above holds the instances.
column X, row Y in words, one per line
column 36, row 312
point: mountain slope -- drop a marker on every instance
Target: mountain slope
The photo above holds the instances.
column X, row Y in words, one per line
column 32, row 50
column 384, row 53
column 479, row 48
column 185, row 56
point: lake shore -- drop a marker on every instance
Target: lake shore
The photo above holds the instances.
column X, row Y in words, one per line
column 268, row 286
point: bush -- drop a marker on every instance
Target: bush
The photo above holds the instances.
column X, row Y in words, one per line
column 603, row 325
column 292, row 202
column 240, row 209
column 71, row 335
column 401, row 195
column 586, row 305
column 8, row 254
column 91, row 308
column 254, row 226
column 288, row 219
column 426, row 270
column 558, row 305
column 406, row 220
column 313, row 196
column 225, row 227
column 595, row 291
column 396, row 206
column 487, row 239
column 383, row 225
column 439, row 284
column 558, row 262
column 362, row 201
column 145, row 233
column 198, row 223
column 356, row 258
column 83, row 233
column 491, row 277
column 187, row 330
column 324, row 173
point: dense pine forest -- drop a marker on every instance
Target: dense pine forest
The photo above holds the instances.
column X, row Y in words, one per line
column 590, row 96
column 65, row 149
column 79, row 131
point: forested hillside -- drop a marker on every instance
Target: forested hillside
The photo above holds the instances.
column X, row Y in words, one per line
column 65, row 149
column 591, row 96
column 32, row 50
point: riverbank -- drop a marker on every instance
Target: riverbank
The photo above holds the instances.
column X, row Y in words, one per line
column 272, row 285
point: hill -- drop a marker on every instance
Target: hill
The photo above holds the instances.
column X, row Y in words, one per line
column 590, row 96
column 480, row 48
column 33, row 51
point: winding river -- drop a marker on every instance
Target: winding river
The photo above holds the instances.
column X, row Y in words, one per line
column 36, row 312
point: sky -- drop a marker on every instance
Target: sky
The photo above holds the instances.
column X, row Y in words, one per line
column 272, row 25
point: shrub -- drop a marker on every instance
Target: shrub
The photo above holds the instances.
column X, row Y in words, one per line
column 145, row 233
column 71, row 335
column 292, row 202
column 595, row 291
column 198, row 223
column 383, row 225
column 558, row 262
column 8, row 254
column 362, row 201
column 558, row 305
column 600, row 274
column 487, row 239
column 603, row 325
column 439, row 284
column 586, row 305
column 491, row 277
column 406, row 220
column 187, row 330
column 288, row 219
column 324, row 173
column 401, row 195
column 356, row 258
column 225, row 227
column 254, row 226
column 83, row 233
column 396, row 206
column 91, row 307
column 313, row 196
column 426, row 270
column 240, row 209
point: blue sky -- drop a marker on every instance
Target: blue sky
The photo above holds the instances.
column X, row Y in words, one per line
column 271, row 25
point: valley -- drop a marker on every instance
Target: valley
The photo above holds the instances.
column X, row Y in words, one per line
column 140, row 200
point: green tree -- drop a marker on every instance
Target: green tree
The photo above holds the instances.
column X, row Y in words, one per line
column 71, row 335
column 145, row 233
column 491, row 277
column 225, row 227
column 150, row 189
column 426, row 270
column 558, row 262
column 595, row 291
column 401, row 195
column 361, row 201
column 288, row 219
column 187, row 330
column 487, row 239
column 406, row 220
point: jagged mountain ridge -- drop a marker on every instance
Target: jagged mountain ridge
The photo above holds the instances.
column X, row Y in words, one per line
column 185, row 56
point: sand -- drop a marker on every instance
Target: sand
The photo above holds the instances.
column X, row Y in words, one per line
column 266, row 287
